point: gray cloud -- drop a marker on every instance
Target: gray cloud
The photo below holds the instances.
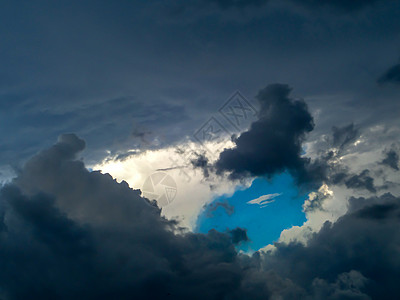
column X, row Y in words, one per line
column 69, row 233
column 342, row 136
column 391, row 159
column 361, row 181
column 273, row 143
column 213, row 206
column 239, row 235
column 361, row 243
column 392, row 75
column 99, row 73
column 201, row 161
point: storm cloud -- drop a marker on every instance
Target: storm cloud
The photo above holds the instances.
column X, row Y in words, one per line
column 69, row 233
column 273, row 144
column 96, row 238
column 391, row 159
column 342, row 136
column 362, row 242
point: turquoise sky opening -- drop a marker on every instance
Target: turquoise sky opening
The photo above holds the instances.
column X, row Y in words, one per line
column 263, row 219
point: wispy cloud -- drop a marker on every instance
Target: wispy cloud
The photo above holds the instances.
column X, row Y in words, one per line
column 264, row 200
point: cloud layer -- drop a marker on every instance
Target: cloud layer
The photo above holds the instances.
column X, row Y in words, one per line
column 68, row 233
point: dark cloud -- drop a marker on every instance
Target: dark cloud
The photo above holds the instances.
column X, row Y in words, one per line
column 391, row 159
column 201, row 162
column 337, row 173
column 94, row 73
column 347, row 286
column 392, row 75
column 342, row 136
column 67, row 233
column 213, row 206
column 360, row 248
column 378, row 211
column 273, row 143
column 238, row 235
column 340, row 5
column 361, row 181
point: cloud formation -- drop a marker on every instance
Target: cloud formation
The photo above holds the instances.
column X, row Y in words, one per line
column 67, row 233
column 391, row 159
column 273, row 144
column 364, row 240
column 392, row 75
column 264, row 200
column 342, row 136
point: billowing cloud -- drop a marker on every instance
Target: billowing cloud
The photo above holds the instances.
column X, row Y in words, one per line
column 69, row 233
column 363, row 242
column 316, row 199
column 273, row 143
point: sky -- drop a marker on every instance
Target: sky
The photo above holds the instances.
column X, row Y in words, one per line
column 205, row 149
column 265, row 209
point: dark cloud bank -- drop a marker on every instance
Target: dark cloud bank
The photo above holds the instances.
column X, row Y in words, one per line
column 67, row 233
column 338, row 4
column 275, row 143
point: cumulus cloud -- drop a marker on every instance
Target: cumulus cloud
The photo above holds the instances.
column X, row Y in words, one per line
column 316, row 199
column 67, row 233
column 364, row 240
column 273, row 143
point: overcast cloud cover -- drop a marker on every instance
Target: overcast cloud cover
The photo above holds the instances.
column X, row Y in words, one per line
column 95, row 96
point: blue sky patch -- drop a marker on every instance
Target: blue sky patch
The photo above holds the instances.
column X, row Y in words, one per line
column 264, row 209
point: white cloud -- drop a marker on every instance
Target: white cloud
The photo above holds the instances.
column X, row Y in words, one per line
column 193, row 191
column 264, row 200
